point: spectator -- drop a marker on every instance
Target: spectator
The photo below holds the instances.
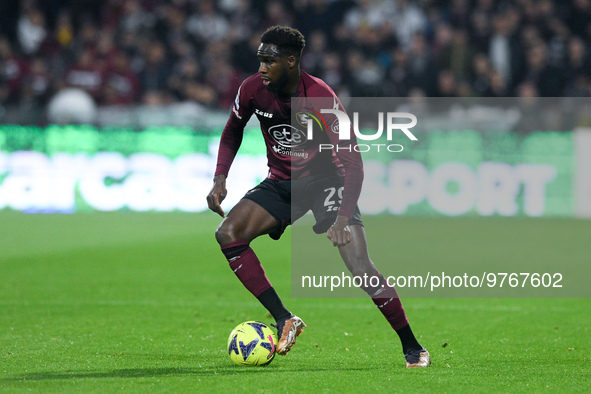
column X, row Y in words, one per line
column 64, row 31
column 579, row 18
column 121, row 85
column 135, row 18
column 446, row 84
column 331, row 71
column 423, row 67
column 498, row 88
column 86, row 74
column 364, row 74
column 458, row 55
column 31, row 31
column 544, row 77
column 106, row 51
column 366, row 15
column 577, row 59
column 156, row 70
column 13, row 70
column 311, row 61
column 242, row 52
column 171, row 28
column 87, row 38
column 206, row 24
column 460, row 13
column 225, row 80
column 155, row 98
column 480, row 30
column 481, row 75
column 321, row 15
column 38, row 82
column 243, row 20
column 277, row 15
column 406, row 20
column 187, row 50
column 531, row 118
column 501, row 51
column 201, row 93
column 400, row 75
column 185, row 72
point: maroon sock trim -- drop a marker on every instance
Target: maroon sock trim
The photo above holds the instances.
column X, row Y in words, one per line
column 247, row 267
column 392, row 310
column 234, row 244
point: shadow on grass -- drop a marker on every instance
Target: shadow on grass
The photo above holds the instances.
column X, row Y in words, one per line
column 153, row 372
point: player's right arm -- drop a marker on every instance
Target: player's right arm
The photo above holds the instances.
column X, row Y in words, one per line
column 229, row 145
column 217, row 195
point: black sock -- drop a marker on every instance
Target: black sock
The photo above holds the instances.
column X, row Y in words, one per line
column 272, row 302
column 409, row 342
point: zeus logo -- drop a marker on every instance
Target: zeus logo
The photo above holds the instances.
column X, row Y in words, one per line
column 344, row 125
column 288, row 136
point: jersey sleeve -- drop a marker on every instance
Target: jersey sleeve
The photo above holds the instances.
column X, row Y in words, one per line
column 352, row 163
column 344, row 151
column 234, row 130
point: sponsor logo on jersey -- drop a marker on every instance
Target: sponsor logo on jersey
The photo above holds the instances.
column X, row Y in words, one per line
column 288, row 136
column 290, row 152
column 262, row 113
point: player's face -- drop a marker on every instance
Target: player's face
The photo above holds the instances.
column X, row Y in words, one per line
column 273, row 68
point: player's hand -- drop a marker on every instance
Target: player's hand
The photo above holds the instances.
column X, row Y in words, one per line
column 339, row 233
column 217, row 195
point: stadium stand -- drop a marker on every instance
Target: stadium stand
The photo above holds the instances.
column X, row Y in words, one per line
column 199, row 51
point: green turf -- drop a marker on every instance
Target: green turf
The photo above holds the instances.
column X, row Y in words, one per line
column 145, row 302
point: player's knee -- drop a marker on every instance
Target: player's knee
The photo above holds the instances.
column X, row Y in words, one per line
column 360, row 272
column 361, row 265
column 223, row 234
column 227, row 232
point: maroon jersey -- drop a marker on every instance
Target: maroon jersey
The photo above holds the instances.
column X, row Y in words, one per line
column 290, row 154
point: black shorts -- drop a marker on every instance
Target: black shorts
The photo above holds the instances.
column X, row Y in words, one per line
column 289, row 200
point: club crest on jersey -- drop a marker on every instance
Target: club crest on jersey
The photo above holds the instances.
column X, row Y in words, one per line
column 303, row 118
column 288, row 136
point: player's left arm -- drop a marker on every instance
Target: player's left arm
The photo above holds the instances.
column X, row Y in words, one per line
column 339, row 232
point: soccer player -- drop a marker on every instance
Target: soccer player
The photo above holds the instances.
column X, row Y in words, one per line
column 296, row 184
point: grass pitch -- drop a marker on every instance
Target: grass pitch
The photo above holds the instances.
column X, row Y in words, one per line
column 145, row 302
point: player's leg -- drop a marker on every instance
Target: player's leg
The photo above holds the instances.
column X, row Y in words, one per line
column 357, row 259
column 246, row 221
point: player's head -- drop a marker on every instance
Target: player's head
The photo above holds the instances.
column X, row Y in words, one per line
column 279, row 53
column 289, row 41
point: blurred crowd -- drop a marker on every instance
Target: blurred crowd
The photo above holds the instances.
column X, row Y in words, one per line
column 164, row 51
